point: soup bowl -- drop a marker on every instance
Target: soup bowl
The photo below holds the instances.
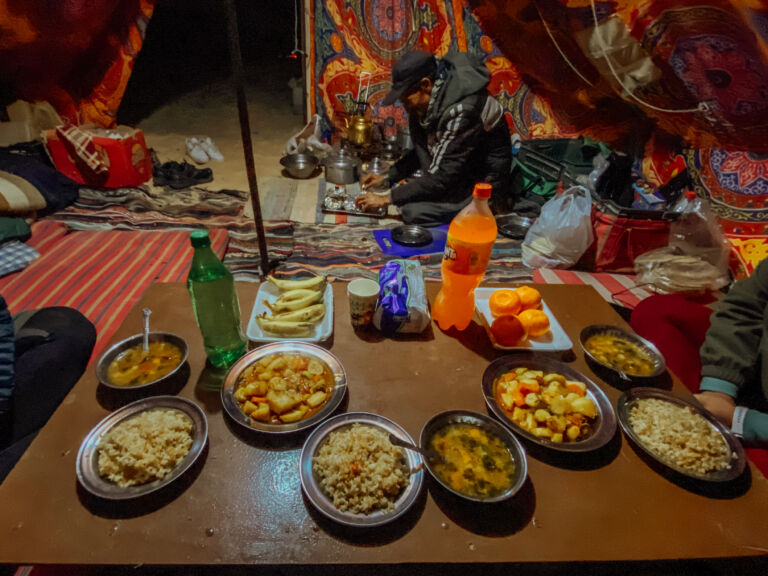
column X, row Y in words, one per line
column 136, row 341
column 490, row 427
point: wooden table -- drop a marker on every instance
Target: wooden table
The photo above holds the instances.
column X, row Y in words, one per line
column 243, row 503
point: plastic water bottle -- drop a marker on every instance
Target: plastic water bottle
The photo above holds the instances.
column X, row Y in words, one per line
column 214, row 301
column 467, row 250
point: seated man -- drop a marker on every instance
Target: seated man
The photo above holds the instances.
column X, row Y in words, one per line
column 734, row 359
column 459, row 134
column 42, row 354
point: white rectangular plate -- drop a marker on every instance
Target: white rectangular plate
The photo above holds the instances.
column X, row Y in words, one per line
column 268, row 291
column 554, row 340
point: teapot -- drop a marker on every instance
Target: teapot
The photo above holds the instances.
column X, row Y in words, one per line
column 359, row 130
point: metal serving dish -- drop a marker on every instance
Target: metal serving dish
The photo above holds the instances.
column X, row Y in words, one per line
column 516, row 450
column 513, row 225
column 605, row 422
column 297, row 347
column 659, row 364
column 87, row 463
column 319, row 499
column 106, row 359
column 300, row 165
column 629, row 398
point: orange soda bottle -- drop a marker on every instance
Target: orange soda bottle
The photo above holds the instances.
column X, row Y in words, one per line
column 467, row 250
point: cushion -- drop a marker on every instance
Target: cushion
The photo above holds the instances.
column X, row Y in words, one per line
column 747, row 252
column 18, row 195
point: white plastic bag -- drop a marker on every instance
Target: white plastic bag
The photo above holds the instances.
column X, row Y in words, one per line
column 562, row 232
column 308, row 140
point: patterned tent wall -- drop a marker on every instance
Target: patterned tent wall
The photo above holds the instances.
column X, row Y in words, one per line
column 348, row 37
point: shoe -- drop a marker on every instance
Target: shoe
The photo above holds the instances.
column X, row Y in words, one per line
column 196, row 151
column 210, row 149
column 180, row 175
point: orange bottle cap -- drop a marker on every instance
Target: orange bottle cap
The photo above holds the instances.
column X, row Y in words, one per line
column 482, row 190
column 690, row 194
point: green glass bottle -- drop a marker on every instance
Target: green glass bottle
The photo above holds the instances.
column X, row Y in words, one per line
column 214, row 301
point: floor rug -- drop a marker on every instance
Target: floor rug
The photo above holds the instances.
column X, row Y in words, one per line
column 614, row 288
column 276, row 196
column 243, row 257
column 347, row 251
column 100, row 273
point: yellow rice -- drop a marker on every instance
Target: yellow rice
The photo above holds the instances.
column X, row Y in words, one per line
column 145, row 448
column 360, row 470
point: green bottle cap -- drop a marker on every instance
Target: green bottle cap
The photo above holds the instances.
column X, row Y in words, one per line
column 200, row 238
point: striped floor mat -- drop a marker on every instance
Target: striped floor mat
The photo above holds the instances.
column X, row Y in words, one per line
column 614, row 288
column 100, row 273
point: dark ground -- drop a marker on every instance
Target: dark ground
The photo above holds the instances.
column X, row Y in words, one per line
column 186, row 47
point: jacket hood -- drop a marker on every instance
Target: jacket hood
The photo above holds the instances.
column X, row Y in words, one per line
column 459, row 75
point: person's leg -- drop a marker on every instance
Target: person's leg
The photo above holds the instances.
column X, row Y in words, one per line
column 53, row 349
column 431, row 213
column 677, row 327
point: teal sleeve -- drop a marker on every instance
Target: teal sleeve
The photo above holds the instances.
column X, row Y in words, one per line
column 756, row 427
column 712, row 384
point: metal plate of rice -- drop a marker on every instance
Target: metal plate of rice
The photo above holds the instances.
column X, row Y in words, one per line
column 680, row 435
column 386, row 482
column 179, row 412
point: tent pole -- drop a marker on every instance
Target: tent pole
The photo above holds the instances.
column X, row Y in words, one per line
column 245, row 129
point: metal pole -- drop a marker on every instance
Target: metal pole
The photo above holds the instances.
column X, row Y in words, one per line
column 245, row 129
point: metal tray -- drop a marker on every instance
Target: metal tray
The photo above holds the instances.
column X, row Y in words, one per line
column 320, row 500
column 630, row 397
column 605, row 424
column 87, row 464
column 230, row 383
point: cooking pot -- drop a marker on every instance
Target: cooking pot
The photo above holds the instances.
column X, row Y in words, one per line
column 342, row 167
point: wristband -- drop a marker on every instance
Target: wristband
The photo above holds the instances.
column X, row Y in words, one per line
column 737, row 427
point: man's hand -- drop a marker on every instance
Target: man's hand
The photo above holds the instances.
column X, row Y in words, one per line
column 373, row 180
column 372, row 202
column 721, row 405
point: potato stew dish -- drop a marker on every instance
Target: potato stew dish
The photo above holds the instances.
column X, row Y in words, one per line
column 284, row 388
column 546, row 404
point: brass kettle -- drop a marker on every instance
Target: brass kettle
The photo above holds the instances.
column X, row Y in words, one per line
column 359, row 130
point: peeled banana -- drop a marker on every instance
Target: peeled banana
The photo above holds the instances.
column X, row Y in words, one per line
column 315, row 283
column 297, row 309
column 285, row 328
column 295, row 300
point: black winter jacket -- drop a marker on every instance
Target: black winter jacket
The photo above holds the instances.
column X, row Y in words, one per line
column 463, row 140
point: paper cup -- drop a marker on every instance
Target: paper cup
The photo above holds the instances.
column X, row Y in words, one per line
column 363, row 295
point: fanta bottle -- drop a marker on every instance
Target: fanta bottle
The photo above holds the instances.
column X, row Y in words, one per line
column 467, row 250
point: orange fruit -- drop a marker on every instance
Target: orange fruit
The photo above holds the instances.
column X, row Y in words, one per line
column 536, row 322
column 529, row 297
column 504, row 302
column 508, row 330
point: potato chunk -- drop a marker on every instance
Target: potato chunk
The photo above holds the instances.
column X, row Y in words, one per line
column 280, row 401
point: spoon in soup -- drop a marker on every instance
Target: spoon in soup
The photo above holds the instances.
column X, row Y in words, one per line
column 426, row 452
column 145, row 313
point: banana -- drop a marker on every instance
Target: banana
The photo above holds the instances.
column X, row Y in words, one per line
column 283, row 328
column 295, row 300
column 315, row 283
column 311, row 314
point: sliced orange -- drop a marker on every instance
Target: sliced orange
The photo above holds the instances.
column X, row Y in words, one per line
column 529, row 297
column 504, row 302
column 536, row 322
column 508, row 330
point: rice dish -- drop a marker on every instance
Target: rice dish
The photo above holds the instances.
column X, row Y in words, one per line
column 679, row 435
column 360, row 470
column 145, row 448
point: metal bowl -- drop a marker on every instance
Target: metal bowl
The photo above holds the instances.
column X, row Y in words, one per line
column 605, row 422
column 315, row 493
column 514, row 226
column 739, row 460
column 296, row 347
column 300, row 165
column 87, row 463
column 516, row 450
column 136, row 340
column 659, row 364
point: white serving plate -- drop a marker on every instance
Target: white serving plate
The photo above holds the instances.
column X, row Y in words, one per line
column 555, row 340
column 268, row 291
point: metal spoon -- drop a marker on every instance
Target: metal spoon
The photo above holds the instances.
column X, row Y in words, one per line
column 622, row 374
column 427, row 453
column 145, row 313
